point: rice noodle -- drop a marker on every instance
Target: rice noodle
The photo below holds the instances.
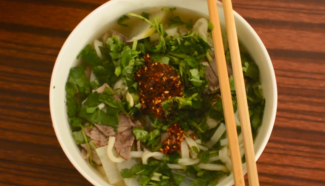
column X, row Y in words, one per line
column 147, row 154
column 224, row 157
column 110, row 168
column 120, row 85
column 225, row 142
column 111, row 152
column 201, row 147
column 169, row 31
column 98, row 44
column 211, row 123
column 101, row 105
column 223, row 154
column 188, row 161
column 201, row 26
column 136, row 154
column 175, row 166
column 184, row 150
column 191, row 143
column 212, row 167
column 213, row 158
column 217, row 135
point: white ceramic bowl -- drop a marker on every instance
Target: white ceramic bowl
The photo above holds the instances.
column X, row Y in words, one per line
column 95, row 22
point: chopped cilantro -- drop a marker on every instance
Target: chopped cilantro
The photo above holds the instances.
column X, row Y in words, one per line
column 189, row 24
column 89, row 55
column 175, row 21
column 100, row 117
column 145, row 15
column 169, row 9
column 140, row 134
column 122, row 19
column 110, row 101
column 79, row 138
column 204, row 156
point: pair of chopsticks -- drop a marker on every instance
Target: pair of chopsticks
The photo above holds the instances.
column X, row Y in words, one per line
column 226, row 94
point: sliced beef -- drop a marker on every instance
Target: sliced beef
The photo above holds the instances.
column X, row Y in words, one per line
column 137, row 123
column 213, row 80
column 84, row 153
column 138, row 145
column 164, row 136
column 124, row 123
column 96, row 136
column 121, row 36
column 106, row 130
column 124, row 142
column 211, row 75
column 112, row 33
column 124, row 136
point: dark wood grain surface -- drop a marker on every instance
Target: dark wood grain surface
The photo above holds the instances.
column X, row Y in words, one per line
column 33, row 31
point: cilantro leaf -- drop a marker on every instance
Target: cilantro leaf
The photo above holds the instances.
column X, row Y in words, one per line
column 144, row 180
column 106, row 73
column 79, row 138
column 73, row 106
column 89, row 55
column 153, row 134
column 77, row 88
column 160, row 58
column 178, row 179
column 71, row 89
column 91, row 110
column 92, row 100
column 189, row 24
column 78, row 79
column 175, row 21
column 122, row 19
column 186, row 102
column 100, row 117
column 210, row 26
column 144, row 173
column 204, row 156
column 195, row 78
column 107, row 98
column 167, row 9
column 252, row 71
column 145, row 15
column 195, row 150
column 75, row 123
column 140, row 134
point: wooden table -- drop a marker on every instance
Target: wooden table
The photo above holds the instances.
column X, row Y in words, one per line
column 33, row 31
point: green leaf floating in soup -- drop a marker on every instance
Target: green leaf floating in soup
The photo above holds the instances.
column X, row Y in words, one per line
column 144, row 102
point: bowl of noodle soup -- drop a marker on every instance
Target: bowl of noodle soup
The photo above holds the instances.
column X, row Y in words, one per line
column 104, row 18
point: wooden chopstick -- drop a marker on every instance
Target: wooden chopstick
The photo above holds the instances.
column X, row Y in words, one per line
column 226, row 95
column 241, row 94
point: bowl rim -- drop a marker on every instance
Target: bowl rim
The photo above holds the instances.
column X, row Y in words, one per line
column 81, row 24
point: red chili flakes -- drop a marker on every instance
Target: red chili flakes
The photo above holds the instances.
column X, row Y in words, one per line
column 173, row 143
column 157, row 82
